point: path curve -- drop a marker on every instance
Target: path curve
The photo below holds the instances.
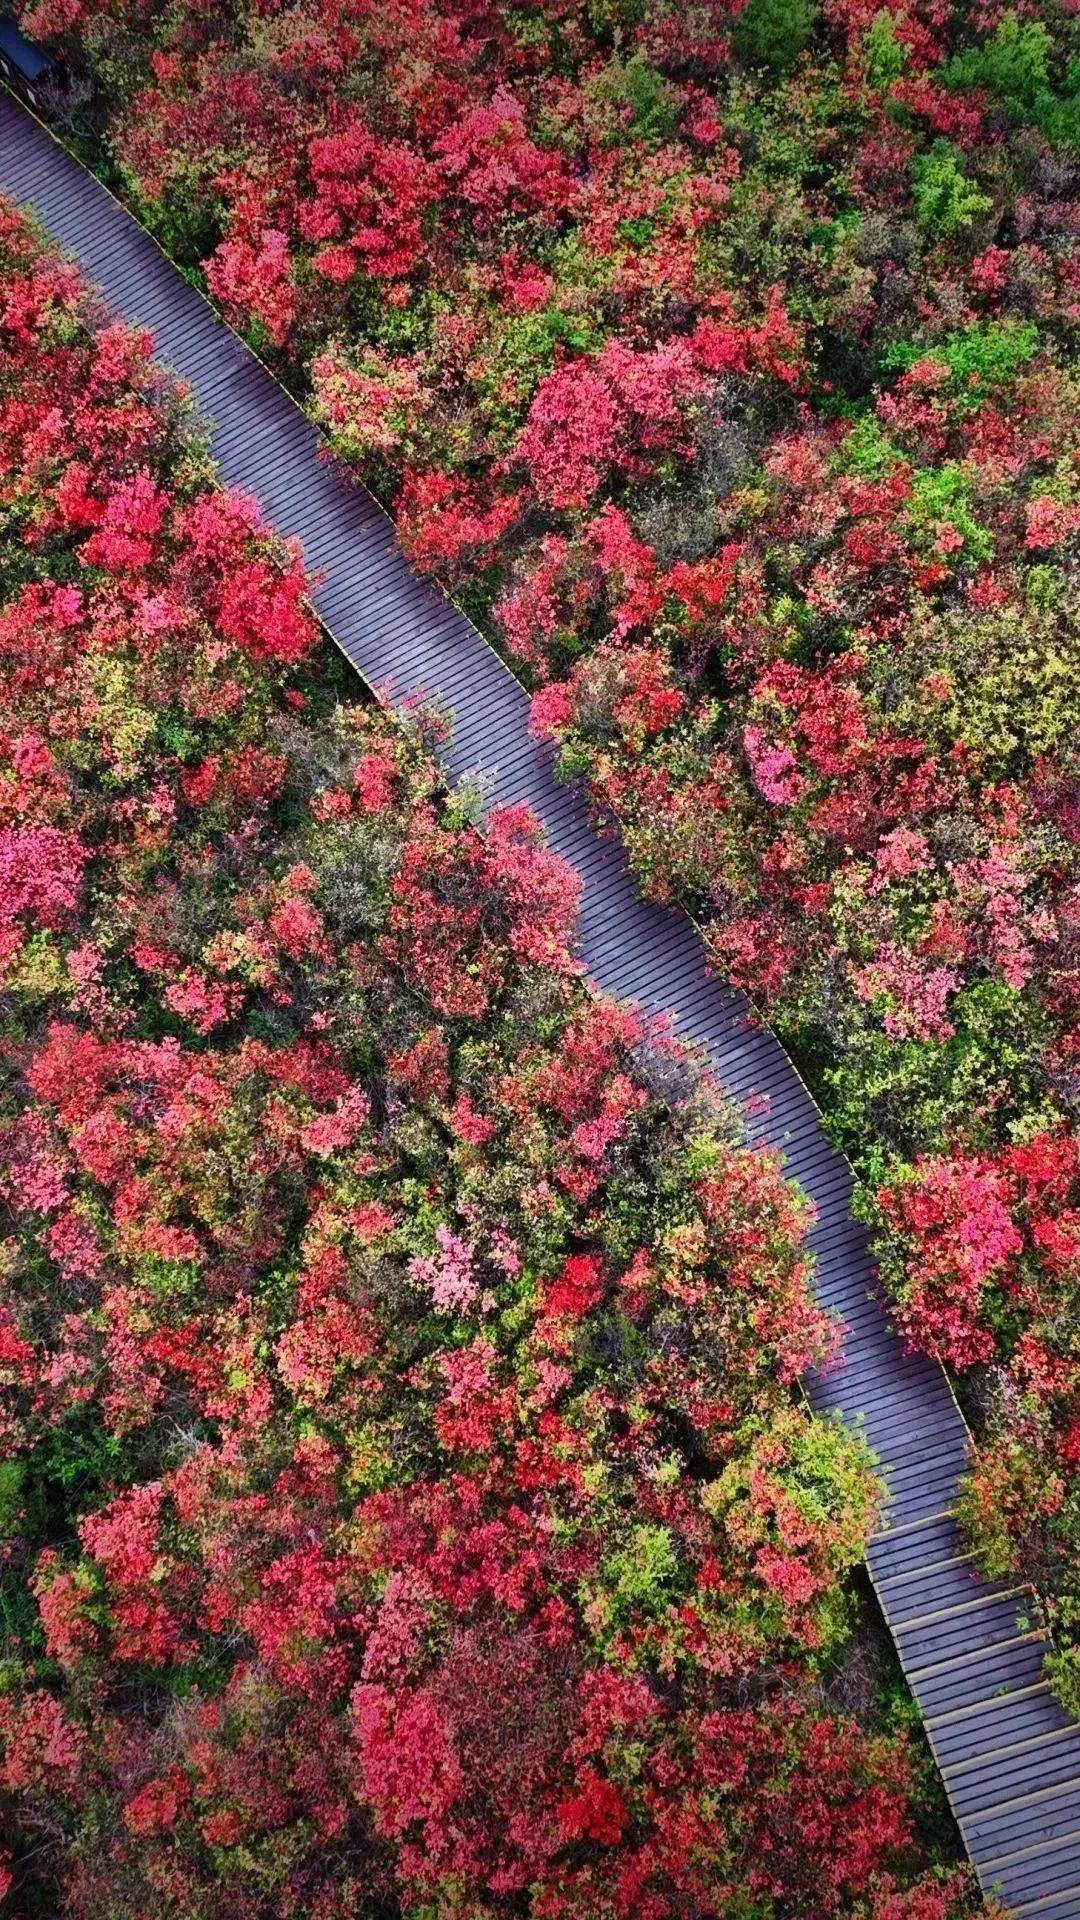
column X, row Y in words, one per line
column 1009, row 1755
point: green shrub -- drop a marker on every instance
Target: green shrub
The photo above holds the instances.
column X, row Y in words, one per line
column 941, row 498
column 1020, row 67
column 1013, row 65
column 982, row 358
column 12, row 1476
column 945, row 199
column 773, row 33
column 886, row 56
column 1060, row 119
column 640, row 96
column 868, row 451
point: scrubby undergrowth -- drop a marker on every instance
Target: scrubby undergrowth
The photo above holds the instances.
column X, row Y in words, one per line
column 407, row 1507
column 724, row 360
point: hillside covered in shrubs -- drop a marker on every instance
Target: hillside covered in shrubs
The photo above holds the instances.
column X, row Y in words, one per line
column 406, row 1504
column 722, row 358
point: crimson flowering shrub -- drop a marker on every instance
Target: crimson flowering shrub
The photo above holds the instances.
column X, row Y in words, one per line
column 406, row 1506
column 723, row 358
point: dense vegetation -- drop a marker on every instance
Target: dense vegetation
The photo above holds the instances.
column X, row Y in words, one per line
column 723, row 358
column 407, row 1506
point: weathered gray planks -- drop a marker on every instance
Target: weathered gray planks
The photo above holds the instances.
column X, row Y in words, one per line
column 1009, row 1755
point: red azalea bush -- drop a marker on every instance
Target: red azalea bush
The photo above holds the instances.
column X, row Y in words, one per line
column 406, row 1504
column 723, row 358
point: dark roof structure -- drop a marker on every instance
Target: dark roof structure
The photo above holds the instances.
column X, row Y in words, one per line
column 19, row 57
column 1009, row 1754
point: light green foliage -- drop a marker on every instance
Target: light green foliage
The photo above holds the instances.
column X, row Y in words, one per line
column 116, row 55
column 941, row 500
column 524, row 349
column 886, row 56
column 868, row 451
column 888, row 1096
column 639, row 1575
column 1063, row 1674
column 1013, row 65
column 828, row 1468
column 780, row 132
column 1013, row 675
column 825, row 1473
column 946, row 201
column 983, row 358
column 1052, row 1558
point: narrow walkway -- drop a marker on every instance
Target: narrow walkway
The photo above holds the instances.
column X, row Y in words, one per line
column 1009, row 1755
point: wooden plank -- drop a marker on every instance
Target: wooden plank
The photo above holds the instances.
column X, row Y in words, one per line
column 1061, row 1906
column 1019, row 1716
column 948, row 1637
column 1039, row 1818
column 953, row 1589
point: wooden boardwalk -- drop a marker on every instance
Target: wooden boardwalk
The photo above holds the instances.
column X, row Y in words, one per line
column 1009, row 1755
